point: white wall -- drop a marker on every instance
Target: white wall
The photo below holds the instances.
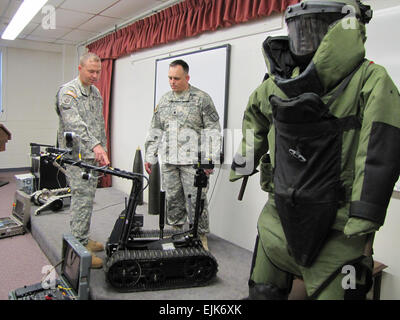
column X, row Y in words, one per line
column 235, row 221
column 383, row 49
column 31, row 76
column 133, row 102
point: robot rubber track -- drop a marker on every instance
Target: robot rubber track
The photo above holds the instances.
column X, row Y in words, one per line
column 147, row 270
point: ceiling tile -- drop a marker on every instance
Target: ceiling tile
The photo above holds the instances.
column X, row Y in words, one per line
column 30, row 27
column 100, row 23
column 50, row 33
column 4, row 21
column 54, row 3
column 88, row 6
column 2, row 28
column 77, row 20
column 127, row 9
column 3, row 6
column 66, row 18
column 8, row 10
column 68, row 42
column 36, row 38
column 79, row 35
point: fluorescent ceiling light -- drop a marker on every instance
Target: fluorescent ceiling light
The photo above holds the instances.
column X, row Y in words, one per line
column 25, row 13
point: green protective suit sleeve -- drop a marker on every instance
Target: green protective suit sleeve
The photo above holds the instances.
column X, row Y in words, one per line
column 254, row 144
column 377, row 166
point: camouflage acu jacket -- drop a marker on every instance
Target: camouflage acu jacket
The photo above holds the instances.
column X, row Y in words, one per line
column 80, row 110
column 181, row 124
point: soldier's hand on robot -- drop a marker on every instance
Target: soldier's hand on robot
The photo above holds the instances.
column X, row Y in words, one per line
column 208, row 171
column 358, row 227
column 147, row 167
column 101, row 156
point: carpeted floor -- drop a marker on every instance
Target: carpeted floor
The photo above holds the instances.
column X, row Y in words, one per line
column 21, row 259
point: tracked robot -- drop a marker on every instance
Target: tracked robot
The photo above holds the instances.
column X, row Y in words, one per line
column 141, row 260
column 51, row 199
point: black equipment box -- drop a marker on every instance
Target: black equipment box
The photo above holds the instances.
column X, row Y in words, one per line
column 47, row 175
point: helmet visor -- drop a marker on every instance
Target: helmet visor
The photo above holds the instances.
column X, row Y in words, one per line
column 306, row 31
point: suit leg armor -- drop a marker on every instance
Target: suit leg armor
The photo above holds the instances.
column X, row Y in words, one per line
column 351, row 282
column 267, row 282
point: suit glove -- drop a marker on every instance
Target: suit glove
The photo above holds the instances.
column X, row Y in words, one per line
column 233, row 176
column 358, row 227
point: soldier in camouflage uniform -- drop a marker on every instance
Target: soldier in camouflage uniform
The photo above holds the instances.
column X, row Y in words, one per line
column 185, row 118
column 79, row 106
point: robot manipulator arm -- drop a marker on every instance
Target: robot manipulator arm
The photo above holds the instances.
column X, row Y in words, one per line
column 61, row 156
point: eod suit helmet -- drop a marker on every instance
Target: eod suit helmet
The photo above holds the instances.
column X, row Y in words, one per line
column 309, row 21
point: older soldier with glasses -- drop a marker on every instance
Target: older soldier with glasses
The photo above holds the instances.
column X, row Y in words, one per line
column 79, row 106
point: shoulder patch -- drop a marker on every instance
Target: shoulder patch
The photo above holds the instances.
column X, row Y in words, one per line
column 214, row 116
column 71, row 93
column 67, row 99
column 212, row 113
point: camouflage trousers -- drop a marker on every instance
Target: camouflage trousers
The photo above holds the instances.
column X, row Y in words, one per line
column 82, row 196
column 178, row 183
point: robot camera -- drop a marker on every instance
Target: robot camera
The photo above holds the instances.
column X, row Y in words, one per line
column 69, row 138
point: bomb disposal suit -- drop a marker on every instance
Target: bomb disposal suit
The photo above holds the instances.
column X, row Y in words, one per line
column 325, row 130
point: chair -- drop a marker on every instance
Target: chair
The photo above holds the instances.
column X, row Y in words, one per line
column 299, row 292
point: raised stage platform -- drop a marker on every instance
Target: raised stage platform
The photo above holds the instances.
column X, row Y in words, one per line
column 234, row 262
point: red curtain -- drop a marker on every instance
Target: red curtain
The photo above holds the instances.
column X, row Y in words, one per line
column 104, row 85
column 183, row 20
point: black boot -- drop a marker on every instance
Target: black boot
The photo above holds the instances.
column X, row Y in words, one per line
column 261, row 291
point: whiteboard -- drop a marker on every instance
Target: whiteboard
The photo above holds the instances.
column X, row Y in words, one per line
column 209, row 72
column 382, row 45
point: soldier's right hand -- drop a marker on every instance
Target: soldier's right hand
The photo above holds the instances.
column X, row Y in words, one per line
column 147, row 167
column 101, row 156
